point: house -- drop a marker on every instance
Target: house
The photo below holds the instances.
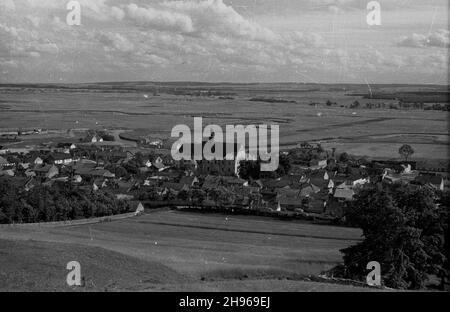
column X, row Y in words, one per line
column 86, row 171
column 406, row 176
column 94, row 138
column 320, row 179
column 153, row 142
column 8, row 172
column 24, row 165
column 138, row 208
column 344, row 194
column 174, row 187
column 37, row 161
column 359, row 181
column 148, row 163
column 101, row 182
column 117, row 156
column 77, row 178
column 316, row 203
column 30, row 173
column 224, row 159
column 435, row 181
column 158, row 163
column 6, row 164
column 308, row 190
column 231, row 180
column 317, row 164
column 59, row 159
column 47, row 171
column 288, row 199
column 31, row 183
column 3, row 161
column 190, row 181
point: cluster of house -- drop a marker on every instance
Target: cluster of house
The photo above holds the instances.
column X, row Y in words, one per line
column 318, row 186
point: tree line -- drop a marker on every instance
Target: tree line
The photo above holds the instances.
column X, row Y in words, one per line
column 59, row 202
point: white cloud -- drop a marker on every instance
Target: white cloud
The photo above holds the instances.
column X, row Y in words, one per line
column 159, row 19
column 115, row 41
column 7, row 5
column 211, row 39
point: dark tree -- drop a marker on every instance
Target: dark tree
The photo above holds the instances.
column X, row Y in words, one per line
column 405, row 151
column 249, row 169
column 403, row 230
column 343, row 157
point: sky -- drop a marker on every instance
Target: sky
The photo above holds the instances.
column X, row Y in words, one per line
column 305, row 41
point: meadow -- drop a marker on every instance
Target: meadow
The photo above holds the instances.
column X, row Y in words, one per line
column 171, row 250
column 300, row 110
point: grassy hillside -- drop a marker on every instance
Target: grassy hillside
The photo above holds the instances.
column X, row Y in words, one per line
column 41, row 266
column 169, row 250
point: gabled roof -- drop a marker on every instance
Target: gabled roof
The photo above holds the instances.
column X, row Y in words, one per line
column 232, row 180
column 59, row 156
column 346, row 194
column 3, row 161
column 308, row 190
column 188, row 180
column 173, row 186
column 235, row 147
column 45, row 168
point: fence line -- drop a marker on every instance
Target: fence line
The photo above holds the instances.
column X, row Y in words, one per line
column 70, row 222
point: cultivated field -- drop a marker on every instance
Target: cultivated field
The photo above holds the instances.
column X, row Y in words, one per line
column 298, row 109
column 170, row 250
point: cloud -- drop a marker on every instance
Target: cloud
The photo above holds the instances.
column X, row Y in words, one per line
column 209, row 39
column 7, row 5
column 115, row 41
column 159, row 19
column 214, row 16
column 440, row 39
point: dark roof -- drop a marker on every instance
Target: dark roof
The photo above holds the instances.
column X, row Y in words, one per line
column 225, row 148
column 432, row 179
column 45, row 168
column 187, row 180
column 344, row 193
column 173, row 186
column 59, row 156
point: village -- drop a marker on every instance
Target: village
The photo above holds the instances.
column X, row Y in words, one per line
column 310, row 182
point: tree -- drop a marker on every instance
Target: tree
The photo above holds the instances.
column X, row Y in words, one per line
column 249, row 169
column 343, row 157
column 403, row 230
column 183, row 195
column 120, row 171
column 198, row 196
column 406, row 151
column 444, row 201
column 284, row 165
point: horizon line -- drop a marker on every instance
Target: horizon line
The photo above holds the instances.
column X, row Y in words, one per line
column 219, row 83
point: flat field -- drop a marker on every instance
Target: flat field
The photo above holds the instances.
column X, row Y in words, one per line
column 171, row 250
column 302, row 115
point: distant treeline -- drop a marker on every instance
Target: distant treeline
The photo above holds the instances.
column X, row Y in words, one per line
column 413, row 97
column 60, row 202
column 271, row 100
